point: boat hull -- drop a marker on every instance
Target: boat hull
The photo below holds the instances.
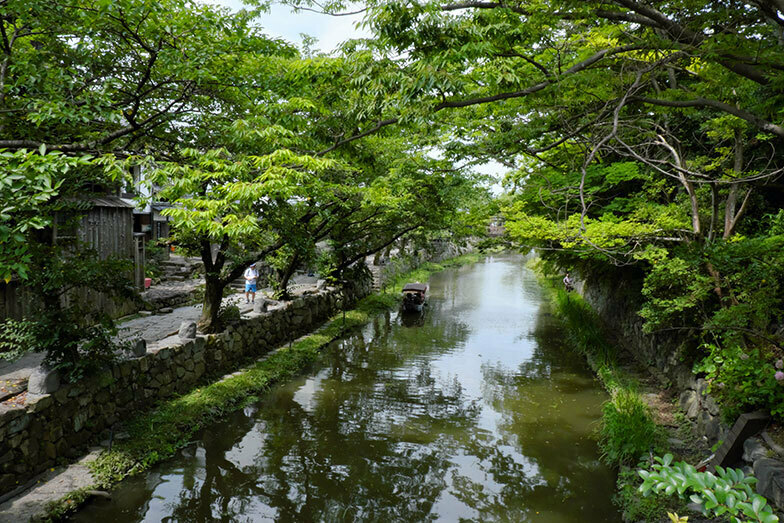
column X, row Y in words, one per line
column 413, row 307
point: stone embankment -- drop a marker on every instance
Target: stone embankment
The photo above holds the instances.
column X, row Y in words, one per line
column 664, row 354
column 402, row 262
column 53, row 427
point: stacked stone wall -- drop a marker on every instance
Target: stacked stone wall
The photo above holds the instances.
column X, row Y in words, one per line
column 437, row 251
column 51, row 428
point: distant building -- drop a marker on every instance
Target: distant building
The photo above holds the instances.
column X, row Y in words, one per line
column 147, row 218
column 496, row 226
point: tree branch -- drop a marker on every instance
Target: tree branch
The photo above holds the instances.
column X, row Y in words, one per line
column 753, row 119
column 576, row 68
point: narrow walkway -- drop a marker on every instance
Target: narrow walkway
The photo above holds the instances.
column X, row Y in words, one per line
column 46, row 488
column 154, row 327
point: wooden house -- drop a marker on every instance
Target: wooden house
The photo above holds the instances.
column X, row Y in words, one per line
column 147, row 217
column 107, row 227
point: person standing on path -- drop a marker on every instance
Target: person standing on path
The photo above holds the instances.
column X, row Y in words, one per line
column 251, row 275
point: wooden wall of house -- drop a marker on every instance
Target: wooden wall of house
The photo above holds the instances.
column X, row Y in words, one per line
column 14, row 300
column 108, row 230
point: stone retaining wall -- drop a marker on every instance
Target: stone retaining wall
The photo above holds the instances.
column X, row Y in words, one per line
column 437, row 251
column 53, row 427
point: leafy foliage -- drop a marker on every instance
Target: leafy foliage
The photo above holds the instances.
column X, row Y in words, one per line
column 16, row 338
column 743, row 379
column 76, row 338
column 728, row 492
column 642, row 508
column 30, row 185
column 74, row 347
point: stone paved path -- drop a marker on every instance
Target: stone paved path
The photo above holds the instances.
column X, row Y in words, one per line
column 21, row 368
column 46, row 488
column 158, row 326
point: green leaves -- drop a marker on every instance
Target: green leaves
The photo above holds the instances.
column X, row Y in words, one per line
column 30, row 183
column 217, row 194
column 742, row 379
column 628, row 430
column 727, row 492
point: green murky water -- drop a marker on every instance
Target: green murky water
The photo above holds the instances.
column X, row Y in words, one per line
column 474, row 412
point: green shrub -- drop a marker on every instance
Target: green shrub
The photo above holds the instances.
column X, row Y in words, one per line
column 628, row 430
column 728, row 492
column 76, row 337
column 641, row 508
column 17, row 337
column 227, row 315
column 743, row 380
column 72, row 346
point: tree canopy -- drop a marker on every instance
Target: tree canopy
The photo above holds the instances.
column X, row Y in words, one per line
column 637, row 134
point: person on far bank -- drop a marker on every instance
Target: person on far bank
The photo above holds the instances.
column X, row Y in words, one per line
column 568, row 283
column 251, row 276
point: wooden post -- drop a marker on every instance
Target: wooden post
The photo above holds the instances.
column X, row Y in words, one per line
column 731, row 448
column 138, row 260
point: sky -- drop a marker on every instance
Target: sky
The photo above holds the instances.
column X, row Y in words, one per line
column 330, row 31
column 282, row 22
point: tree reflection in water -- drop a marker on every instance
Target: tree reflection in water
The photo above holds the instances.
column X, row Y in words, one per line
column 549, row 406
column 372, row 443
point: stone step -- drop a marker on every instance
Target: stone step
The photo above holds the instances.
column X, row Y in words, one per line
column 170, row 263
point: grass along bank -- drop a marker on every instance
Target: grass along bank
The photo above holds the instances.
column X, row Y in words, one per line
column 157, row 435
column 628, row 430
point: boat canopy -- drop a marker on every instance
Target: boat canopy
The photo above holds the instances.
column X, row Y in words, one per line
column 419, row 287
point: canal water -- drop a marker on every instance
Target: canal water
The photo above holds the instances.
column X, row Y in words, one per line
column 475, row 411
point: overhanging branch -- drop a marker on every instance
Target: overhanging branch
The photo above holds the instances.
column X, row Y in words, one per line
column 753, row 119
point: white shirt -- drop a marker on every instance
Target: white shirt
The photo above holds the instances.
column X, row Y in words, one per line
column 251, row 274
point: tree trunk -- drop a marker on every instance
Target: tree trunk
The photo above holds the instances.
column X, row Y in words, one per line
column 714, row 211
column 695, row 210
column 286, row 275
column 731, row 217
column 213, row 295
column 689, row 186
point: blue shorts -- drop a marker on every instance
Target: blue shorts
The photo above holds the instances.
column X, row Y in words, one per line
column 250, row 287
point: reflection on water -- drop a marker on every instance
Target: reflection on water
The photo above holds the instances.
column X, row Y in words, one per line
column 473, row 412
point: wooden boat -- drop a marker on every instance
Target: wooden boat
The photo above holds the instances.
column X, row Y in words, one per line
column 414, row 296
